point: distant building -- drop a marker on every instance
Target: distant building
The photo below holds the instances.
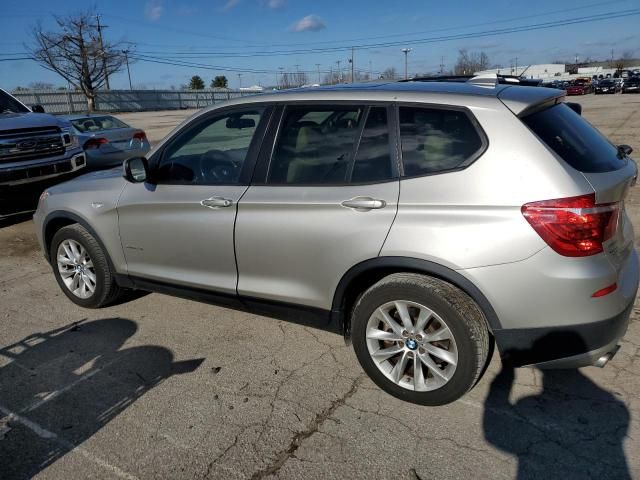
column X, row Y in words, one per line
column 543, row 71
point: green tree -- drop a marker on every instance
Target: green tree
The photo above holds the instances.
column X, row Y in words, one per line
column 196, row 83
column 219, row 82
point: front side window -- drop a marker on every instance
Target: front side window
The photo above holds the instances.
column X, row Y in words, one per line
column 436, row 140
column 210, row 153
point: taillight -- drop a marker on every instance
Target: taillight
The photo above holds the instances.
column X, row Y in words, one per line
column 140, row 136
column 94, row 142
column 575, row 226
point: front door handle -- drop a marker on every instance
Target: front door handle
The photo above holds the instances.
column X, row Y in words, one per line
column 216, row 202
column 363, row 204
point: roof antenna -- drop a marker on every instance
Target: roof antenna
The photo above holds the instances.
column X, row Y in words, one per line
column 489, row 80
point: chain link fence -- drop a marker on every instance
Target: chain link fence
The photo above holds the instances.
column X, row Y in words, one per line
column 64, row 101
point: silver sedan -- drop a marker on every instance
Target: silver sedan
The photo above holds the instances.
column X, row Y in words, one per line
column 108, row 141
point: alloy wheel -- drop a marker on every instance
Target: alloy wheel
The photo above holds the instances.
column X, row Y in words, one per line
column 76, row 268
column 411, row 345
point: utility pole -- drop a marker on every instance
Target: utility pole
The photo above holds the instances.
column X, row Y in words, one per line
column 442, row 65
column 126, row 58
column 318, row 67
column 352, row 64
column 239, row 81
column 339, row 71
column 516, row 66
column 281, row 76
column 104, row 62
column 406, row 67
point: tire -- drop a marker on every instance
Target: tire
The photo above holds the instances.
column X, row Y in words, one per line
column 454, row 325
column 76, row 239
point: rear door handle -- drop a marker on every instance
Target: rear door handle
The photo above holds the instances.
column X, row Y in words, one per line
column 216, row 202
column 363, row 204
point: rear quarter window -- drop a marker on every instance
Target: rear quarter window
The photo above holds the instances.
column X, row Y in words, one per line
column 436, row 140
column 574, row 140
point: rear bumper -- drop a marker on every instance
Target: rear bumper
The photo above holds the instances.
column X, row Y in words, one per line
column 562, row 347
column 546, row 312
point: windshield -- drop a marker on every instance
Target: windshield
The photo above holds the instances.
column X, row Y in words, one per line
column 8, row 104
column 94, row 124
column 575, row 140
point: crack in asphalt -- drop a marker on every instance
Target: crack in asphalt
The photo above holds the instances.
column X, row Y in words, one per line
column 284, row 455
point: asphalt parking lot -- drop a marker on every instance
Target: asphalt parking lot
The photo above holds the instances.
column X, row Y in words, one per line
column 161, row 387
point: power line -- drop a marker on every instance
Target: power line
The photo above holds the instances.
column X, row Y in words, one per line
column 418, row 41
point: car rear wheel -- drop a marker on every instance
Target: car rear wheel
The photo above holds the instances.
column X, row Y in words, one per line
column 82, row 269
column 420, row 339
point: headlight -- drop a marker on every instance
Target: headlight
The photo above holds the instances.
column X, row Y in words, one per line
column 43, row 196
column 69, row 140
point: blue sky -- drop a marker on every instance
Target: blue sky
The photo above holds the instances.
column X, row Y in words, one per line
column 216, row 30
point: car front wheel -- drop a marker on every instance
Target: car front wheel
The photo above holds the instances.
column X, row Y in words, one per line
column 82, row 269
column 420, row 339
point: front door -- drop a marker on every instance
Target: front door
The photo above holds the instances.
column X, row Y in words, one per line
column 179, row 229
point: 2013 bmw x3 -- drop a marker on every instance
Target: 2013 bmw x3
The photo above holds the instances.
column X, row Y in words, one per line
column 423, row 220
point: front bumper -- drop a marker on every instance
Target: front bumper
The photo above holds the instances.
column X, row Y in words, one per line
column 20, row 175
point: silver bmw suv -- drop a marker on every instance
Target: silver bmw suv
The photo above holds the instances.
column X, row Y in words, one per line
column 425, row 221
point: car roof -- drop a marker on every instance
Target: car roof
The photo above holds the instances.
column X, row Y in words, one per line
column 517, row 98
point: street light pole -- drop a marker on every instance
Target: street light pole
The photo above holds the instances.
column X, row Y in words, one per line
column 126, row 58
column 406, row 66
column 239, row 81
column 318, row 67
column 352, row 64
column 104, row 60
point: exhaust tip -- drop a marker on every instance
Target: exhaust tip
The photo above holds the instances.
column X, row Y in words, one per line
column 604, row 359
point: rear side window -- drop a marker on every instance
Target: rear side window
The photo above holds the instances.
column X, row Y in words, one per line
column 436, row 140
column 574, row 139
column 317, row 146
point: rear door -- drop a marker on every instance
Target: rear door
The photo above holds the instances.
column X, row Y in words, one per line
column 324, row 200
column 609, row 171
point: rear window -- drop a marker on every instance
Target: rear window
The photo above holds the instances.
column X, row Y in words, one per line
column 575, row 140
column 94, row 124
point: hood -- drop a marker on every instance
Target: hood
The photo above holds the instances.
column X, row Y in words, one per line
column 99, row 181
column 15, row 121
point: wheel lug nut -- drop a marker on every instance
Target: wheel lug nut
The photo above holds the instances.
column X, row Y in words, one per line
column 405, row 333
column 419, row 337
column 421, row 350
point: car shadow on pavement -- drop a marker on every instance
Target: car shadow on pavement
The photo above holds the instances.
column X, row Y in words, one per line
column 572, row 429
column 60, row 387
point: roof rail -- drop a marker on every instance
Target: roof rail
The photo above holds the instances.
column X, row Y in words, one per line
column 485, row 80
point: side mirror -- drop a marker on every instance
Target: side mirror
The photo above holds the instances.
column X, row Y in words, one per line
column 37, row 108
column 576, row 107
column 136, row 170
column 625, row 149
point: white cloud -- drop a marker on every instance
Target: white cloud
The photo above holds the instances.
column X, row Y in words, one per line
column 153, row 10
column 310, row 23
column 275, row 4
column 230, row 4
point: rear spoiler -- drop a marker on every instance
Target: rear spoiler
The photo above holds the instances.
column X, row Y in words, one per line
column 523, row 101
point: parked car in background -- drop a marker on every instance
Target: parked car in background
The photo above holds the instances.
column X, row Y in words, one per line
column 605, row 86
column 36, row 149
column 108, row 141
column 631, row 85
column 578, row 88
column 384, row 211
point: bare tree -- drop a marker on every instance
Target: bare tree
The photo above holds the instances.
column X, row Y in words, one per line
column 390, row 74
column 293, row 79
column 41, row 86
column 470, row 62
column 77, row 53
